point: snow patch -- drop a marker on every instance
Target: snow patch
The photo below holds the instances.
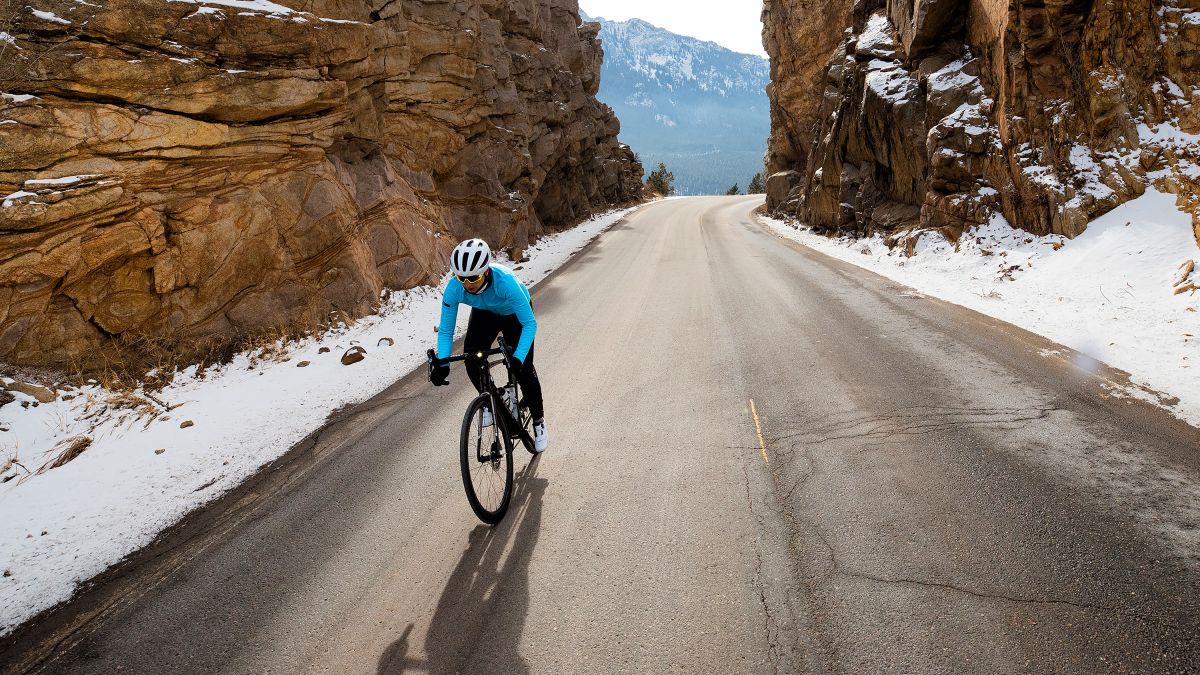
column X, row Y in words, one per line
column 639, row 99
column 890, row 82
column 252, row 7
column 1030, row 160
column 1174, row 88
column 951, row 77
column 65, row 180
column 15, row 197
column 1166, row 133
column 876, row 38
column 49, row 16
column 206, row 11
column 1088, row 172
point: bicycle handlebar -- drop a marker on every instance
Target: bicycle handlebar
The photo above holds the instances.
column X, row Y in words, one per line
column 502, row 349
column 463, row 357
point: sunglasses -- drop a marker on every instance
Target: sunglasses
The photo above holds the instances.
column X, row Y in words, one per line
column 471, row 280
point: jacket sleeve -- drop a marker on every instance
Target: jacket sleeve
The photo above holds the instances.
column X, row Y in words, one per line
column 528, row 328
column 450, row 302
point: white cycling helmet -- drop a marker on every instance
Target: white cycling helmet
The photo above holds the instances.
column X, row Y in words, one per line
column 470, row 258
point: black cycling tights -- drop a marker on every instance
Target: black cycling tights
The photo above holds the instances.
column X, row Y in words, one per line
column 482, row 329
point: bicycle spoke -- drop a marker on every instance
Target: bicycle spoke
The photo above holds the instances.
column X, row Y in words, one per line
column 485, row 469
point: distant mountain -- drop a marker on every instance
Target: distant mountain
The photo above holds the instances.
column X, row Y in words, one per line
column 697, row 106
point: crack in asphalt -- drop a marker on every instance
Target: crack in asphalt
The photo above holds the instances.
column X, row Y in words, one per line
column 910, row 421
column 773, row 651
column 970, row 592
column 1008, row 598
column 806, row 453
column 837, row 568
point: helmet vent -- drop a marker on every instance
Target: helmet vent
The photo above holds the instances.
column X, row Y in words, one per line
column 470, row 258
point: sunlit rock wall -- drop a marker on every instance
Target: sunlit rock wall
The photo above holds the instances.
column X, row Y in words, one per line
column 938, row 114
column 181, row 174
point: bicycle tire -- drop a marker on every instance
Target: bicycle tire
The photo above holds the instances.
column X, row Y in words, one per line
column 496, row 474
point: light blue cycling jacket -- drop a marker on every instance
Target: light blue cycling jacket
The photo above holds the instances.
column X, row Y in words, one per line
column 504, row 295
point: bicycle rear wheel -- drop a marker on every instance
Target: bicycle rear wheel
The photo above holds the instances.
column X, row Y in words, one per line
column 486, row 462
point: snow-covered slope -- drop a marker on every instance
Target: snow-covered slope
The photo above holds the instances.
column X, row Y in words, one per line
column 1120, row 293
column 695, row 105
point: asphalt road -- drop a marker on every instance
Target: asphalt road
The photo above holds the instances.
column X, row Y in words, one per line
column 934, row 491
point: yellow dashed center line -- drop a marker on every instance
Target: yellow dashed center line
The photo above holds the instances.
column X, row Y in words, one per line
column 758, row 429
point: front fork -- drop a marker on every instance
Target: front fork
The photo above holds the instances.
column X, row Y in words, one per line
column 501, row 443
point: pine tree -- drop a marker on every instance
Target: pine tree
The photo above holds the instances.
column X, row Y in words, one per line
column 662, row 181
column 734, row 190
column 757, row 185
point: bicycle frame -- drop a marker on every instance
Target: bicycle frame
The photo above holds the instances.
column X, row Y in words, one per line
column 514, row 429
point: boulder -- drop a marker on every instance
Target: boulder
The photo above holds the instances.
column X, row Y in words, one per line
column 780, row 186
column 353, row 356
column 924, row 24
column 39, row 393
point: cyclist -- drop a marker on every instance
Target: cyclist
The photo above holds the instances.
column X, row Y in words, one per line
column 499, row 304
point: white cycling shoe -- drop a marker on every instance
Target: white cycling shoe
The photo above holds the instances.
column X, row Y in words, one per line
column 541, row 440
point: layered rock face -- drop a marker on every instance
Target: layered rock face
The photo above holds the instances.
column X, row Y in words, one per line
column 186, row 172
column 938, row 114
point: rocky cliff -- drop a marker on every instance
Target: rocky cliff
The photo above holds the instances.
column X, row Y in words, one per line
column 185, row 172
column 938, row 114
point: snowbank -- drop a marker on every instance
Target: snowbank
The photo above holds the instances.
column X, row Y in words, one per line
column 1108, row 293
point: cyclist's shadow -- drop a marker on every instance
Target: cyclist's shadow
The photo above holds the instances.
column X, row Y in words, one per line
column 479, row 618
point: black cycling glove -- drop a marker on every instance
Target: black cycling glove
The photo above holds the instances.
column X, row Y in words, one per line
column 439, row 371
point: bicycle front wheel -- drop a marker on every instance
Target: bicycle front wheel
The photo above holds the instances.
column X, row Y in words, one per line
column 487, row 466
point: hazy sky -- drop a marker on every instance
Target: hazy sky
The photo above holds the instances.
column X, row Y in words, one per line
column 735, row 24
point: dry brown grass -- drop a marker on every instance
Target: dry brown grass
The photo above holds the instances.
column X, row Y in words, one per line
column 134, row 360
column 10, row 466
column 66, row 450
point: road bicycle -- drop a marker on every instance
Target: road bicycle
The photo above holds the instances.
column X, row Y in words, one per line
column 485, row 450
